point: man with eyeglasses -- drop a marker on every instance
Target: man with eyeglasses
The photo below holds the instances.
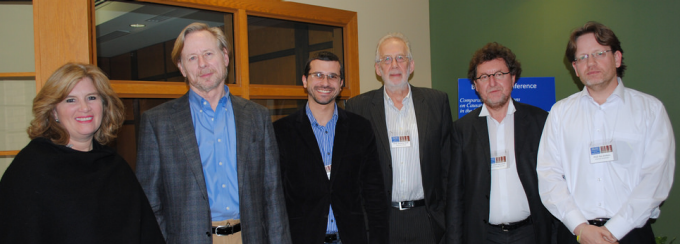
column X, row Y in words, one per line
column 607, row 155
column 493, row 188
column 332, row 180
column 412, row 127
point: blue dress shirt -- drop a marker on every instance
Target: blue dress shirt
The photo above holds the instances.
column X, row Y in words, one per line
column 324, row 137
column 216, row 137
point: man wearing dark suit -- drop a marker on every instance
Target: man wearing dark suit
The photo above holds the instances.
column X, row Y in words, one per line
column 208, row 160
column 493, row 187
column 413, row 133
column 329, row 164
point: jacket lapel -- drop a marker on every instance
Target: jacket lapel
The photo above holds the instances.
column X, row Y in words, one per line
column 183, row 124
column 482, row 133
column 243, row 119
column 339, row 143
column 380, row 123
column 422, row 114
column 304, row 130
column 521, row 124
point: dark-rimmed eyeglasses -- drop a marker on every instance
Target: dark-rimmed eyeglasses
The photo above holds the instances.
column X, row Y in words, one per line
column 498, row 75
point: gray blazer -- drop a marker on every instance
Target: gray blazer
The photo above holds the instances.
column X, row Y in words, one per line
column 170, row 171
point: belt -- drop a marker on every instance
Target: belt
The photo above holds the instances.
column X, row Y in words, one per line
column 331, row 237
column 513, row 225
column 226, row 230
column 598, row 221
column 408, row 204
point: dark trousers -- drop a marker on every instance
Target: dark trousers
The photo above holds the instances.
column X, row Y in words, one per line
column 411, row 226
column 642, row 235
column 521, row 235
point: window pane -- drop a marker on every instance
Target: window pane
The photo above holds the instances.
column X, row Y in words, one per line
column 126, row 140
column 143, row 53
column 278, row 49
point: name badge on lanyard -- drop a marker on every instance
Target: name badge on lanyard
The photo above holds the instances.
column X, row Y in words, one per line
column 600, row 153
column 499, row 161
column 400, row 141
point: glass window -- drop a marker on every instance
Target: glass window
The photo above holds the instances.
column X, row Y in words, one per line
column 126, row 140
column 278, row 49
column 135, row 40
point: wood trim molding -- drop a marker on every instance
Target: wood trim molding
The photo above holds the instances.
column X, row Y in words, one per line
column 17, row 75
column 9, row 153
column 158, row 89
column 149, row 89
column 352, row 80
column 241, row 57
column 61, row 34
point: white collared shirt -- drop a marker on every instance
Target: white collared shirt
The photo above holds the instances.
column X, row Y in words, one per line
column 507, row 201
column 628, row 189
column 407, row 182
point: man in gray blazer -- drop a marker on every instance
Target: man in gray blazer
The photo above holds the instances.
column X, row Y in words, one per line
column 412, row 128
column 208, row 161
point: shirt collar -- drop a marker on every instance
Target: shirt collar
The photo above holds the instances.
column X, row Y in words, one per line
column 197, row 99
column 313, row 121
column 406, row 98
column 618, row 92
column 485, row 110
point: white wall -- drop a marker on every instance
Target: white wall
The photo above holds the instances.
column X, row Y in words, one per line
column 16, row 96
column 379, row 17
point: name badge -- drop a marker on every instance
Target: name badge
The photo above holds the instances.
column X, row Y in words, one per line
column 499, row 162
column 602, row 153
column 400, row 141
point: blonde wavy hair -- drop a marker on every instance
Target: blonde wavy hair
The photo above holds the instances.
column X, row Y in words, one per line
column 57, row 88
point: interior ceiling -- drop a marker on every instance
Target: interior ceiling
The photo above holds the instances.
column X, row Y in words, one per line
column 115, row 36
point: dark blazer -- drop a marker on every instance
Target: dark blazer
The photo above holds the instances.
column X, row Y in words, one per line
column 467, row 214
column 433, row 115
column 170, row 171
column 354, row 189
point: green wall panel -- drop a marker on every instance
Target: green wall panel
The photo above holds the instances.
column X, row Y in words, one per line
column 538, row 31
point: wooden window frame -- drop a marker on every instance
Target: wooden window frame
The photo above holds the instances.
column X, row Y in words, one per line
column 78, row 30
column 64, row 31
column 7, row 76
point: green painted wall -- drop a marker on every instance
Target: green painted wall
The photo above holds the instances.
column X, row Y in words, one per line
column 538, row 31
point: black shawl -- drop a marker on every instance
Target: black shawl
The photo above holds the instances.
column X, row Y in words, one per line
column 54, row 194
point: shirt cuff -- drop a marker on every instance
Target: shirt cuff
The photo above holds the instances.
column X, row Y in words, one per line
column 618, row 227
column 573, row 219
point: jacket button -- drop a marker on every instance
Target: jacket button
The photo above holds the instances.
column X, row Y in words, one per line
column 487, row 196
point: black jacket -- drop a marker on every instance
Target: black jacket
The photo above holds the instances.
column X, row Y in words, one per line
column 467, row 214
column 355, row 189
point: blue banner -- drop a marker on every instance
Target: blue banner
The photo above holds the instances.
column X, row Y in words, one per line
column 537, row 91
